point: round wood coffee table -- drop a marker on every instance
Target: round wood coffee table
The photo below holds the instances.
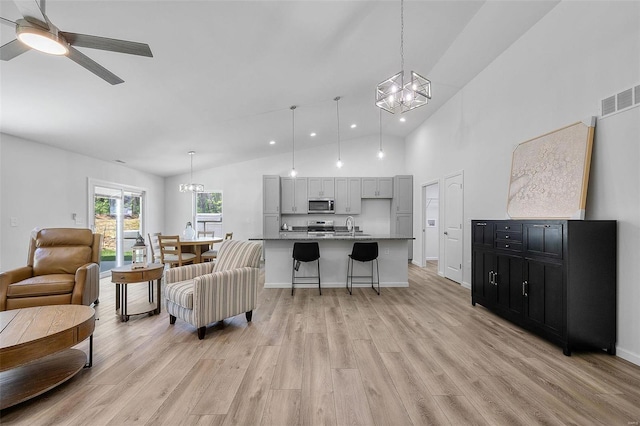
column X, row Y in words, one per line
column 124, row 275
column 34, row 349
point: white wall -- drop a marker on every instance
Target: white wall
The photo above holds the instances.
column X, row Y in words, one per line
column 556, row 74
column 42, row 186
column 241, row 183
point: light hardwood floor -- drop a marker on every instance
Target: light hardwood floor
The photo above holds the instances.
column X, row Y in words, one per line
column 417, row 355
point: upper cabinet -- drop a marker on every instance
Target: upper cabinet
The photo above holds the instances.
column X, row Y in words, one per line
column 293, row 195
column 320, row 187
column 377, row 187
column 402, row 194
column 271, row 194
column 348, row 196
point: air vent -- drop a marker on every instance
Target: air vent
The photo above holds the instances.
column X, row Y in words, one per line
column 623, row 100
column 609, row 105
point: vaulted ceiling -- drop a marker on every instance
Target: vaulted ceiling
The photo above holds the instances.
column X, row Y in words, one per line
column 224, row 74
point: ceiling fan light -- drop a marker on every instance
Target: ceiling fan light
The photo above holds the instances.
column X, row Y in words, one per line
column 42, row 40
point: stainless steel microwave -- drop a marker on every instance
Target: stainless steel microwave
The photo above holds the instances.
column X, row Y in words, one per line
column 321, row 206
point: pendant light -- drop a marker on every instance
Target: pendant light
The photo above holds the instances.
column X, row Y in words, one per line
column 396, row 95
column 339, row 163
column 380, row 152
column 293, row 172
column 191, row 187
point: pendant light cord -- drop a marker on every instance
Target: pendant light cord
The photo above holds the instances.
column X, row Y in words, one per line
column 337, row 99
column 191, row 154
column 380, row 129
column 402, row 35
column 293, row 136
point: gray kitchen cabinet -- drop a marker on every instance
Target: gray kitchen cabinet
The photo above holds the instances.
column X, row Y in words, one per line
column 270, row 225
column 348, row 196
column 293, row 195
column 271, row 194
column 320, row 187
column 402, row 224
column 377, row 187
column 402, row 201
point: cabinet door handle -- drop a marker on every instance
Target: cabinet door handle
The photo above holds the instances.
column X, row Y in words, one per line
column 541, row 226
column 506, row 245
column 491, row 277
column 495, row 278
column 481, row 224
column 506, row 237
column 525, row 284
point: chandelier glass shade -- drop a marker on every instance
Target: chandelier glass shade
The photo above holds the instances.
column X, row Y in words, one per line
column 400, row 94
column 191, row 187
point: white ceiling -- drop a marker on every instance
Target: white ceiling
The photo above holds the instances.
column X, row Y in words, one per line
column 224, row 74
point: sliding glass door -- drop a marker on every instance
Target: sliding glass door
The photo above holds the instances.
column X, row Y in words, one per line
column 116, row 212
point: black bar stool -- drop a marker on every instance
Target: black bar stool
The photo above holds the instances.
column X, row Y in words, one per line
column 305, row 252
column 363, row 252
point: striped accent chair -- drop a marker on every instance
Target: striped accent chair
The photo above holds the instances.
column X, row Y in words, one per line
column 204, row 293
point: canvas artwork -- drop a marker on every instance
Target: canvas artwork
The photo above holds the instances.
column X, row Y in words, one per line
column 550, row 173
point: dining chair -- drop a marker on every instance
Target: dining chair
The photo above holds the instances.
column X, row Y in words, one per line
column 212, row 254
column 154, row 247
column 171, row 253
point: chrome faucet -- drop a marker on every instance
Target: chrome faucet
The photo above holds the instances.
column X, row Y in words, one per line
column 351, row 225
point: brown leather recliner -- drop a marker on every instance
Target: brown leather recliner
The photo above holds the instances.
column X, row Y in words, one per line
column 63, row 267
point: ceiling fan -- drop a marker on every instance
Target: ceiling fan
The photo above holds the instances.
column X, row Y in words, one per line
column 35, row 31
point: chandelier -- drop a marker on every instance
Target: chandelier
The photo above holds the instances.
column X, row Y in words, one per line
column 397, row 95
column 191, row 187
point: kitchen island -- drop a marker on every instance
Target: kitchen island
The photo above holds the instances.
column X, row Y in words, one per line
column 334, row 251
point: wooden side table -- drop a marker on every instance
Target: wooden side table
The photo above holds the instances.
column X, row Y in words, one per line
column 124, row 275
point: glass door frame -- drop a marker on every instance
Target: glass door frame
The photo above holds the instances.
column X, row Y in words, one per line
column 122, row 188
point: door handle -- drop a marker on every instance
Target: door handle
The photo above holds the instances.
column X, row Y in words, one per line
column 446, row 233
column 524, row 288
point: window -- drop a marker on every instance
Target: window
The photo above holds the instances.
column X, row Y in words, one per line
column 209, row 203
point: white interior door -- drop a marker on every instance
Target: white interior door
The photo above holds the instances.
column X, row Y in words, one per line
column 453, row 216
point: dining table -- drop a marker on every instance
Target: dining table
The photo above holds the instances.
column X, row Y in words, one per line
column 198, row 245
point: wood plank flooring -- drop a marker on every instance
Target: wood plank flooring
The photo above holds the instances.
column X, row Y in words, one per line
column 411, row 356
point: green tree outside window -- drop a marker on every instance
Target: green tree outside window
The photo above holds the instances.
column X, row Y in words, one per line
column 209, row 202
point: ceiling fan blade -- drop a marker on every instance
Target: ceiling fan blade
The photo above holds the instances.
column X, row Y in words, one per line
column 104, row 43
column 12, row 49
column 32, row 13
column 88, row 63
column 7, row 21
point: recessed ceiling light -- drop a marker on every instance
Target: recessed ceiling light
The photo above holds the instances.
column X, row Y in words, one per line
column 354, row 125
column 272, row 142
column 402, row 119
column 312, row 134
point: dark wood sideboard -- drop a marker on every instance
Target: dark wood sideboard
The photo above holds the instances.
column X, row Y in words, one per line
column 556, row 278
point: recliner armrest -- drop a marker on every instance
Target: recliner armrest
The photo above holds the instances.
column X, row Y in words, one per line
column 187, row 272
column 10, row 277
column 232, row 291
column 87, row 285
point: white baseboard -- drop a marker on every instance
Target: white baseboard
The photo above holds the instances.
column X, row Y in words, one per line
column 466, row 285
column 628, row 355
